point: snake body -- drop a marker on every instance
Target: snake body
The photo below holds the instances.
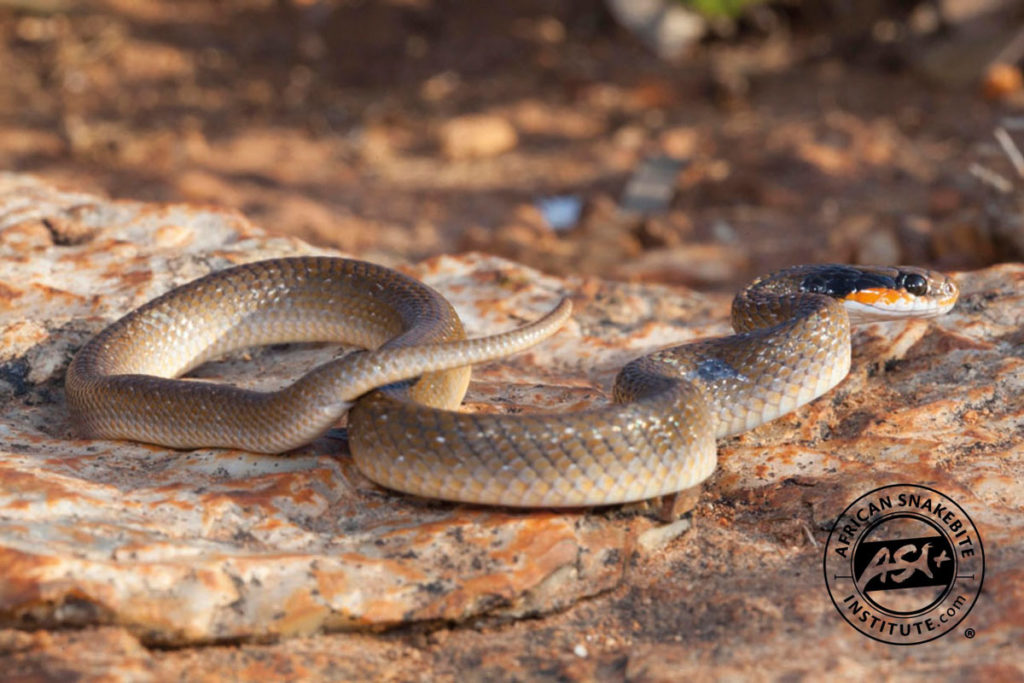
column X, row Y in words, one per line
column 792, row 345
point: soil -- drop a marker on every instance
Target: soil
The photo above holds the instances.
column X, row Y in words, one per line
column 800, row 139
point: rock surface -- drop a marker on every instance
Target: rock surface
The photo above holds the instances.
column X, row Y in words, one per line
column 477, row 136
column 137, row 546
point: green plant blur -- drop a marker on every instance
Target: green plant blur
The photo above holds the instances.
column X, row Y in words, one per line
column 720, row 8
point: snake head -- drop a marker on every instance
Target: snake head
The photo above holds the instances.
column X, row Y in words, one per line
column 873, row 293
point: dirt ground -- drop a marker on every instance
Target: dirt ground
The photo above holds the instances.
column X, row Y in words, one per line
column 802, row 137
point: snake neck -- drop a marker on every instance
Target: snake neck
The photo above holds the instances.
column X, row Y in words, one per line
column 790, row 348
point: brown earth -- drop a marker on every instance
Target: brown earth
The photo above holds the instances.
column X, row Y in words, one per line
column 338, row 122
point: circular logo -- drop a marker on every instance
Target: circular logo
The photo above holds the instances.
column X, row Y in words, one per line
column 904, row 564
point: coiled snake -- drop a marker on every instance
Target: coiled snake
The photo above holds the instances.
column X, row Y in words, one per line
column 792, row 345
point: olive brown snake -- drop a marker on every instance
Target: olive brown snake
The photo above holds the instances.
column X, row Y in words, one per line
column 792, row 345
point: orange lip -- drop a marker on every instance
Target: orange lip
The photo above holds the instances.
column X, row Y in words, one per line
column 876, row 296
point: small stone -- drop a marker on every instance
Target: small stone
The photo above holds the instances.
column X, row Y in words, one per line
column 1001, row 81
column 440, row 86
column 580, row 651
column 477, row 136
column 660, row 536
column 630, row 137
column 550, row 30
column 669, row 29
column 679, row 143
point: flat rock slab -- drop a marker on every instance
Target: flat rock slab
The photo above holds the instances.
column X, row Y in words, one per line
column 176, row 548
column 212, row 545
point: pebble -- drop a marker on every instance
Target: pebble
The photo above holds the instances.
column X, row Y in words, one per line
column 1001, row 81
column 477, row 136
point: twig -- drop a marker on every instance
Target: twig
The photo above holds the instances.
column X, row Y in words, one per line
column 1012, row 51
column 990, row 177
column 810, row 535
column 1010, row 149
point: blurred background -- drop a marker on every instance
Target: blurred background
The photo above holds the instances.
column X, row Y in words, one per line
column 695, row 143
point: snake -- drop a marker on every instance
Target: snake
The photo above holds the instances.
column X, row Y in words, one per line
column 401, row 389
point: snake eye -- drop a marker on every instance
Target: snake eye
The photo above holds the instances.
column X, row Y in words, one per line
column 914, row 284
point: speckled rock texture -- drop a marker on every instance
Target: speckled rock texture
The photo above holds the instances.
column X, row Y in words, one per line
column 297, row 566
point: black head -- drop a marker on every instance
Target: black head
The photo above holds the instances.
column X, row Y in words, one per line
column 839, row 281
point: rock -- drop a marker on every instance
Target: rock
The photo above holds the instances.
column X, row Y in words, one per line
column 651, row 186
column 477, row 136
column 1001, row 81
column 221, row 545
column 669, row 29
column 108, row 548
column 680, row 142
column 541, row 118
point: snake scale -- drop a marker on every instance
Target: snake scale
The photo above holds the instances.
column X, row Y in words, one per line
column 792, row 344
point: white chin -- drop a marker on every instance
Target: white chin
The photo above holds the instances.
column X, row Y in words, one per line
column 865, row 313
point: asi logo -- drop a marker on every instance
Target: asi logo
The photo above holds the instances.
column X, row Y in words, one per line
column 904, row 564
